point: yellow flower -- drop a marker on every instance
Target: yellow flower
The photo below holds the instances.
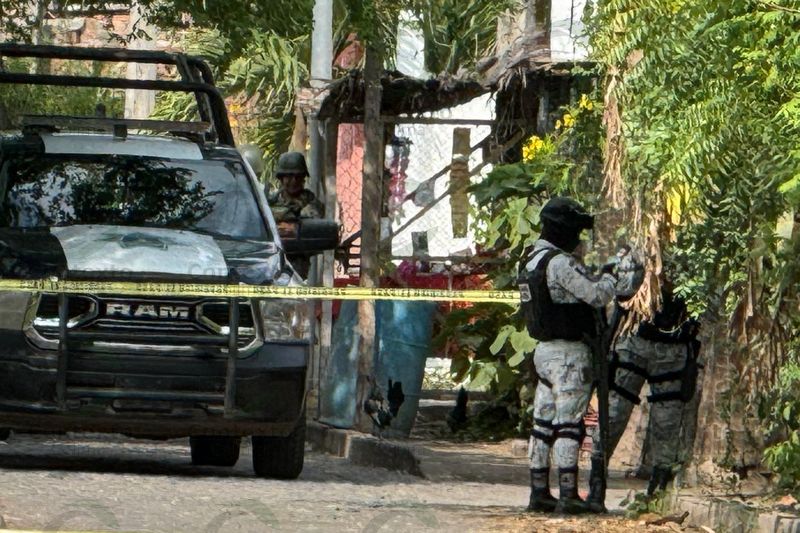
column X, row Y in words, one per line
column 569, row 120
column 531, row 147
column 585, row 103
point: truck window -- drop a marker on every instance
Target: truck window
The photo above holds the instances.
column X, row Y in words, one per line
column 63, row 190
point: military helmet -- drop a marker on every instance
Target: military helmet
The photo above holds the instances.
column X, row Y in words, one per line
column 291, row 163
column 567, row 213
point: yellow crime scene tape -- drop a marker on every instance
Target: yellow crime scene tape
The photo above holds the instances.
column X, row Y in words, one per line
column 128, row 288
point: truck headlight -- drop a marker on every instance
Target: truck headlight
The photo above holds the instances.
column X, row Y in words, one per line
column 286, row 319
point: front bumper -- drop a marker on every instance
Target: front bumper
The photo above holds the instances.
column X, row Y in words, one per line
column 152, row 393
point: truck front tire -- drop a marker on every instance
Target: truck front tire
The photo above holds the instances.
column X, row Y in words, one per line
column 280, row 457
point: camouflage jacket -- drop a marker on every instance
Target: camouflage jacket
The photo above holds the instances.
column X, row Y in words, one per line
column 288, row 209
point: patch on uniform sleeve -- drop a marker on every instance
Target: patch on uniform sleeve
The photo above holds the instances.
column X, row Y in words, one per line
column 524, row 292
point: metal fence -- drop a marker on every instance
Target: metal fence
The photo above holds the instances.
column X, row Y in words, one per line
column 426, row 211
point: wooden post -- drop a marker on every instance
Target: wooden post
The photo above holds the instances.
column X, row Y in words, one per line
column 459, row 181
column 538, row 27
column 329, row 188
column 370, row 227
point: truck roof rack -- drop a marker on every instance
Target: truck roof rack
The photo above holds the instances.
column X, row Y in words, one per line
column 120, row 126
column 195, row 77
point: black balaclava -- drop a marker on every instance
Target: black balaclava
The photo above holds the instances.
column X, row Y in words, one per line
column 565, row 237
column 563, row 219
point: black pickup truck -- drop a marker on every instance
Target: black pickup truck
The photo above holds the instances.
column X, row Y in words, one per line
column 139, row 200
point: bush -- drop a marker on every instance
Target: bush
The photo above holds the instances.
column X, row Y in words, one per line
column 783, row 458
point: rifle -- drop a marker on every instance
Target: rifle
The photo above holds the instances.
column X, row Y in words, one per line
column 600, row 345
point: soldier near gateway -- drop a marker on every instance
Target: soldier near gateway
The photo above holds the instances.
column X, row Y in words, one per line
column 293, row 202
column 559, row 301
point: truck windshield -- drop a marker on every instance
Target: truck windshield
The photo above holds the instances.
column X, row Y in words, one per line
column 63, row 190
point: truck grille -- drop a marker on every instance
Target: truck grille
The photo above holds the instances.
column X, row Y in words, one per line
column 145, row 318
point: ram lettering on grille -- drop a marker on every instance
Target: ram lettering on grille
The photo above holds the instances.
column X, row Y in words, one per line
column 180, row 312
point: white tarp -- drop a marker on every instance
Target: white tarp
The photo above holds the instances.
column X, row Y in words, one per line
column 567, row 39
column 431, row 150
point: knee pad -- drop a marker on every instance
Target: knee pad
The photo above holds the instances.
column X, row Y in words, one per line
column 616, row 363
column 543, row 431
column 569, row 430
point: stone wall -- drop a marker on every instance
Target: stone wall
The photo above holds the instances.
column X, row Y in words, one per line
column 96, row 31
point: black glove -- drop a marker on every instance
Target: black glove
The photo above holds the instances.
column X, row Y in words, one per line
column 609, row 268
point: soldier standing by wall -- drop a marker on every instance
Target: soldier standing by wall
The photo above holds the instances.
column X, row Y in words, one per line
column 559, row 300
column 664, row 352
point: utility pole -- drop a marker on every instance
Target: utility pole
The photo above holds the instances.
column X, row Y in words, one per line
column 370, row 227
column 39, row 7
column 140, row 103
column 321, row 74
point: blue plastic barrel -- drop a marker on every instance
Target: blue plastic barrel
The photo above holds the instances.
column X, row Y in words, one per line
column 337, row 386
column 403, row 341
column 403, row 344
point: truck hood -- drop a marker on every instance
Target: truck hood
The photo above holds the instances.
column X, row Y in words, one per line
column 137, row 253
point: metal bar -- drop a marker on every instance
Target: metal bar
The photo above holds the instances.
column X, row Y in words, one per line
column 233, row 354
column 205, row 71
column 220, row 116
column 456, row 260
column 185, row 64
column 392, row 119
column 143, row 394
column 149, row 338
column 89, row 54
column 204, row 106
column 63, row 352
column 108, row 124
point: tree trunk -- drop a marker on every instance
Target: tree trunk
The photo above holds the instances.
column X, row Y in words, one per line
column 370, row 228
column 728, row 435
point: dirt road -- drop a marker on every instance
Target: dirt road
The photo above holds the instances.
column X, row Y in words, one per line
column 112, row 483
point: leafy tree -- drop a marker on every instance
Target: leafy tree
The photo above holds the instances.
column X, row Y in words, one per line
column 707, row 95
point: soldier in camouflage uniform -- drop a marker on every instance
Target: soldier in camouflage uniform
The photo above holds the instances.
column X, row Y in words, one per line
column 662, row 351
column 293, row 201
column 559, row 300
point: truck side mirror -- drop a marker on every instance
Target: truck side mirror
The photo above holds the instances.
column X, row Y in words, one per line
column 310, row 236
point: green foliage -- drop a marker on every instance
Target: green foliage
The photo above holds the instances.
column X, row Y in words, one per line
column 711, row 120
column 710, row 117
column 458, row 32
column 18, row 100
column 640, row 503
column 783, row 413
column 212, row 46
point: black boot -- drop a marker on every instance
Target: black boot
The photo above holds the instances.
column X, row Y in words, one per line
column 541, row 499
column 597, row 487
column 568, row 500
column 659, row 479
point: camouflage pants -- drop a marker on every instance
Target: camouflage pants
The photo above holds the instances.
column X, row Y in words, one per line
column 654, row 359
column 562, row 396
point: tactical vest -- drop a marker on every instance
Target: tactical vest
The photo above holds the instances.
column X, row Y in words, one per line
column 547, row 320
